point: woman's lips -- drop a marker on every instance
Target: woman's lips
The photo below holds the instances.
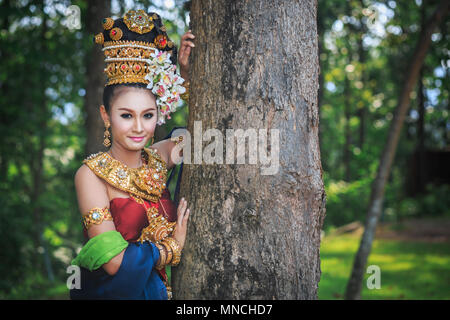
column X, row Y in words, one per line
column 137, row 139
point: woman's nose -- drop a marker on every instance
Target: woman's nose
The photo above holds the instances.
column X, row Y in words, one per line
column 138, row 125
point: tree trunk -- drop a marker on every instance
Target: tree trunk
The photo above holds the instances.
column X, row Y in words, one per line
column 254, row 235
column 348, row 104
column 96, row 79
column 362, row 111
column 354, row 285
column 421, row 174
column 4, row 89
column 321, row 92
column 347, row 129
column 37, row 163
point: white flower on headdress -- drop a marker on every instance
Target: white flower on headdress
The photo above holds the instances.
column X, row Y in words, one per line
column 162, row 58
column 165, row 83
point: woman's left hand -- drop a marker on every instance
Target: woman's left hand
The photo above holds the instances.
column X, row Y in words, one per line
column 184, row 52
column 179, row 234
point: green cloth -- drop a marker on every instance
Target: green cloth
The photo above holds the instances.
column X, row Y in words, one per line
column 100, row 249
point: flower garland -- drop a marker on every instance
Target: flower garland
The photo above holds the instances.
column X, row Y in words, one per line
column 165, row 83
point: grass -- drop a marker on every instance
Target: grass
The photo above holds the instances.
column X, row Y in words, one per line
column 409, row 270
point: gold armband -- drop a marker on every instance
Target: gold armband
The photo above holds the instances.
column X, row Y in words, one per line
column 96, row 216
column 185, row 95
column 176, row 250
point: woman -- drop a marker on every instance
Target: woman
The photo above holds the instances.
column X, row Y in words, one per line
column 133, row 227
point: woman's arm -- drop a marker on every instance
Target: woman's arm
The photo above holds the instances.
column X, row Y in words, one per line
column 92, row 193
column 165, row 149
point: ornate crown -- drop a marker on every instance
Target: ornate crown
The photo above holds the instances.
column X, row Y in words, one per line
column 138, row 50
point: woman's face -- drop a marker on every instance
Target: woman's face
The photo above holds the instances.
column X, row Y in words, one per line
column 133, row 117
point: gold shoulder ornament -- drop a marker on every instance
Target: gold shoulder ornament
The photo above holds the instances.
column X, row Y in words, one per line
column 147, row 181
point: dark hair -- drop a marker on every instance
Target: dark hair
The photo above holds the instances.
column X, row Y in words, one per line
column 146, row 37
column 109, row 92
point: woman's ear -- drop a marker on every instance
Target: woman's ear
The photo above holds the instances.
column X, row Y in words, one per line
column 104, row 114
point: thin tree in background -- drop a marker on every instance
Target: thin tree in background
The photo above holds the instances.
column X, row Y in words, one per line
column 95, row 81
column 354, row 286
column 348, row 110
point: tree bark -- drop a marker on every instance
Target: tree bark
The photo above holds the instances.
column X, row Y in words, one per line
column 96, row 78
column 321, row 92
column 250, row 235
column 354, row 286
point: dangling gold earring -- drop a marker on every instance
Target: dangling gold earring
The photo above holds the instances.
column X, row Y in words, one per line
column 152, row 140
column 106, row 136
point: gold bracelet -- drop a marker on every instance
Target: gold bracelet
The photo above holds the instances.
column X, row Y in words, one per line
column 177, row 139
column 169, row 252
column 162, row 257
column 176, row 250
column 185, row 95
column 96, row 216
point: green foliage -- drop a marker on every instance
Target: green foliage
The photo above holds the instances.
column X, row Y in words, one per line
column 346, row 202
column 435, row 203
column 42, row 140
column 42, row 134
column 34, row 285
column 362, row 75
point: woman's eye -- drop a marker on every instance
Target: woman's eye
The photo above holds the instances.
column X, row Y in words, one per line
column 148, row 115
column 126, row 115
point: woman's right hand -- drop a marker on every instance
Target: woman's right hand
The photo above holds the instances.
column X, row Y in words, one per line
column 184, row 52
column 179, row 233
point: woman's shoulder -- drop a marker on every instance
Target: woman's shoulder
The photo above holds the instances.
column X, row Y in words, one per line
column 86, row 177
column 84, row 173
column 91, row 190
column 85, row 170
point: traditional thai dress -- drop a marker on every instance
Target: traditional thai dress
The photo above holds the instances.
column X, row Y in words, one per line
column 137, row 277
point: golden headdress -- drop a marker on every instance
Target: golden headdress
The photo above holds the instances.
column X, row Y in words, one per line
column 138, row 50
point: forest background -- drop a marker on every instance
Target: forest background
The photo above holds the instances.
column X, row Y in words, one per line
column 364, row 49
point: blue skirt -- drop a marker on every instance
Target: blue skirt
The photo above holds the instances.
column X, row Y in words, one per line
column 136, row 279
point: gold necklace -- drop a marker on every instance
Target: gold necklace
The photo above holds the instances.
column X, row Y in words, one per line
column 148, row 181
